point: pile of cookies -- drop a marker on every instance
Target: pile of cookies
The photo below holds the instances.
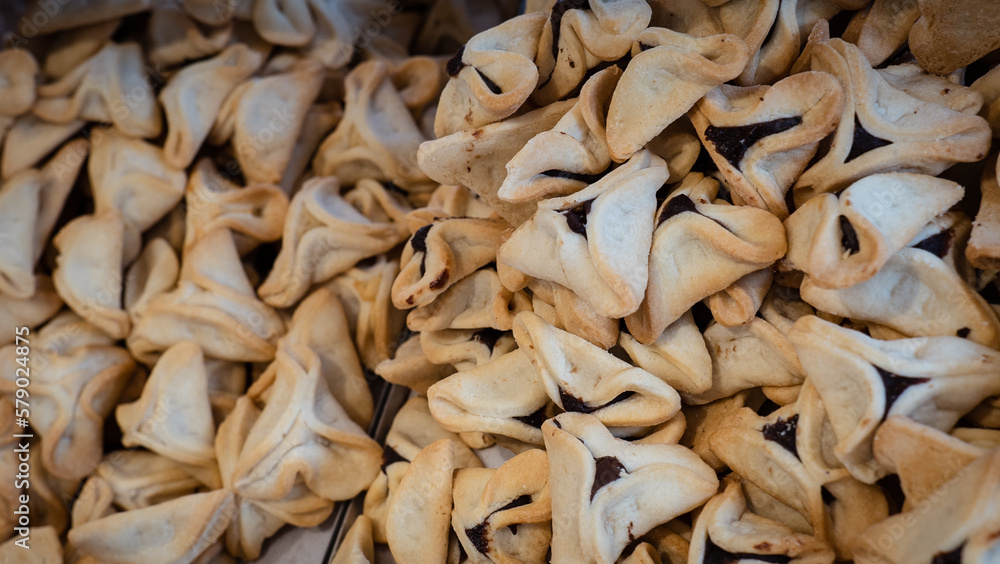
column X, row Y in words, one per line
column 716, row 279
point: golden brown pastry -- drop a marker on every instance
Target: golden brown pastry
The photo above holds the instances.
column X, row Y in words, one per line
column 932, row 380
column 77, row 374
column 606, row 491
column 172, row 532
column 578, row 376
column 564, row 159
column 378, row 136
column 213, row 304
column 478, row 158
column 918, row 135
column 194, row 96
column 173, row 417
column 19, row 70
column 696, row 239
column 504, row 515
column 491, row 76
column 263, row 116
column 685, row 67
column 439, row 255
column 302, row 434
column 842, row 241
column 109, row 87
column 596, row 241
column 763, row 137
column 325, row 234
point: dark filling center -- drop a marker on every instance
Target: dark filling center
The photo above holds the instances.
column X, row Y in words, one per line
column 716, row 555
column 953, row 557
column 895, row 385
column 477, row 536
column 535, row 419
column 390, row 457
column 849, row 237
column 455, row 64
column 863, row 142
column 608, row 470
column 585, row 178
column 783, row 433
column 733, row 142
column 558, row 11
column 487, row 337
column 828, row 498
column 573, row 403
column 489, row 83
column 677, row 205
column 576, row 217
column 419, row 244
column 937, row 244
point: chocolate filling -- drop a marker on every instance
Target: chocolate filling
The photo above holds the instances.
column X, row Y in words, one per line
column 455, row 64
column 585, row 178
column 576, row 217
column 733, row 142
column 828, row 498
column 895, row 385
column 848, row 237
column 535, row 419
column 573, row 403
column 716, row 555
column 419, row 244
column 489, row 83
column 390, row 457
column 477, row 536
column 937, row 244
column 783, row 433
column 677, row 205
column 953, row 557
column 558, row 11
column 863, row 142
column 487, row 337
column 608, row 469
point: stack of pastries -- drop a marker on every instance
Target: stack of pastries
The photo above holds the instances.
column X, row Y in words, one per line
column 716, row 279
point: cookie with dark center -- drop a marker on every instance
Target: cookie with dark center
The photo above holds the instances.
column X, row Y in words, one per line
column 732, row 142
column 783, row 432
column 535, row 419
column 937, row 244
column 863, row 142
column 895, row 385
column 573, row 403
column 848, row 236
column 607, row 470
column 716, row 555
column 488, row 337
column 576, row 217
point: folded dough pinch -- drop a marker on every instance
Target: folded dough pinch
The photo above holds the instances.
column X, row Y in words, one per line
column 595, row 241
